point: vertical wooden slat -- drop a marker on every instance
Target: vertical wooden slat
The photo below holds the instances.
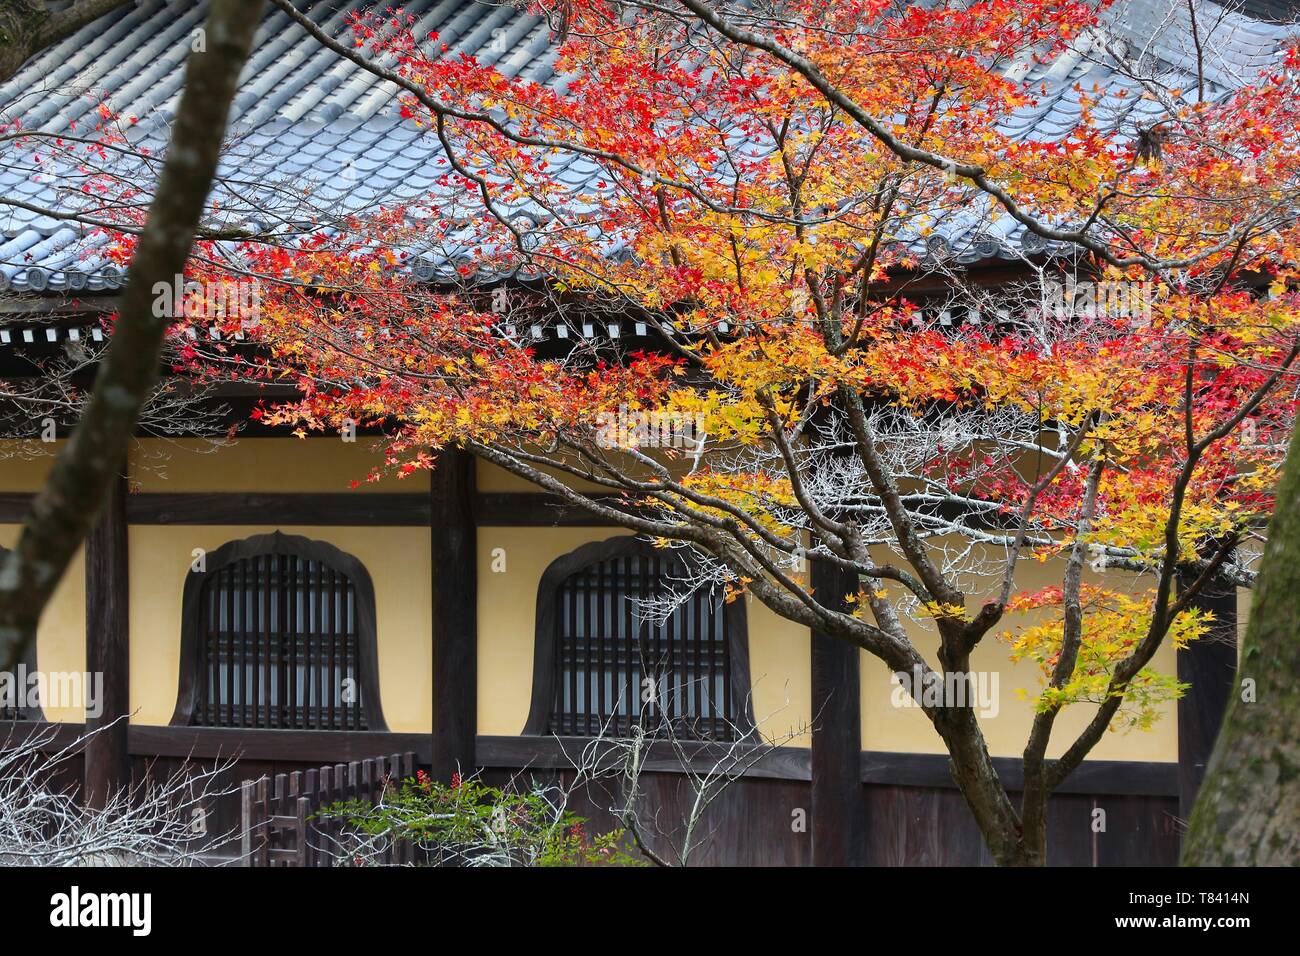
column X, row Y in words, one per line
column 107, row 762
column 1209, row 666
column 566, row 653
column 327, row 828
column 302, row 642
column 240, row 641
column 563, row 639
column 269, row 672
column 697, row 652
column 213, row 693
column 580, row 642
column 238, row 646
column 348, row 626
column 303, row 811
column 316, row 643
column 671, row 705
column 345, row 649
column 311, row 791
column 277, row 810
column 593, row 626
column 309, row 668
column 647, row 588
column 262, row 843
column 586, row 653
column 205, row 662
column 246, row 805
column 838, row 806
column 226, row 645
column 278, row 638
column 292, row 715
column 331, row 631
column 454, row 553
column 714, row 699
column 729, row 704
column 573, row 645
column 654, row 641
column 253, row 638
column 250, row 642
column 597, row 656
column 621, row 610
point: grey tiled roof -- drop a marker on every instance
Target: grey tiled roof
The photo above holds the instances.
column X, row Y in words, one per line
column 305, row 116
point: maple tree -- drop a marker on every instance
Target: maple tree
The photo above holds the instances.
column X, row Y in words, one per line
column 774, row 185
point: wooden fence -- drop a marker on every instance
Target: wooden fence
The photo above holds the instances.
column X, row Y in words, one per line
column 279, row 822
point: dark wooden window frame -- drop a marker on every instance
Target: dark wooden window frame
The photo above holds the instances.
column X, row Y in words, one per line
column 735, row 628
column 278, row 543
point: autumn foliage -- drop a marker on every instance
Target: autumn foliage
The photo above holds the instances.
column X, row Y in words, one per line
column 769, row 190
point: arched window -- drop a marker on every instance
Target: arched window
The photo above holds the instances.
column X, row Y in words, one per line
column 278, row 631
column 603, row 663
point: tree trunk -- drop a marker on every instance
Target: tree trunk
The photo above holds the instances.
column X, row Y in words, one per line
column 1248, row 810
column 69, row 503
column 28, row 27
column 973, row 771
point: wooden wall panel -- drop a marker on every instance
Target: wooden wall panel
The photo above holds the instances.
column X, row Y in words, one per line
column 837, row 807
column 754, row 822
column 108, row 766
column 454, row 551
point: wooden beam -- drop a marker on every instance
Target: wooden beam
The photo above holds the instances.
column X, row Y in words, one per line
column 14, row 505
column 1138, row 778
column 394, row 509
column 1209, row 666
column 662, row 756
column 277, row 746
column 838, row 824
column 108, row 763
column 879, row 768
column 48, row 737
column 454, row 550
column 279, row 508
column 541, row 510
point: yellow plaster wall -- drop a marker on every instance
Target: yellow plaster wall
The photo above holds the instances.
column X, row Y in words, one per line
column 492, row 478
column 889, row 727
column 24, row 464
column 61, row 634
column 263, row 464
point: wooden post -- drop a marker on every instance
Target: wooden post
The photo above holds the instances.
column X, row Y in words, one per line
column 838, row 808
column 454, row 545
column 1209, row 666
column 108, row 762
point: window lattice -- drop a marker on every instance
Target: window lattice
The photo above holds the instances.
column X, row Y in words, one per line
column 279, row 646
column 615, row 669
